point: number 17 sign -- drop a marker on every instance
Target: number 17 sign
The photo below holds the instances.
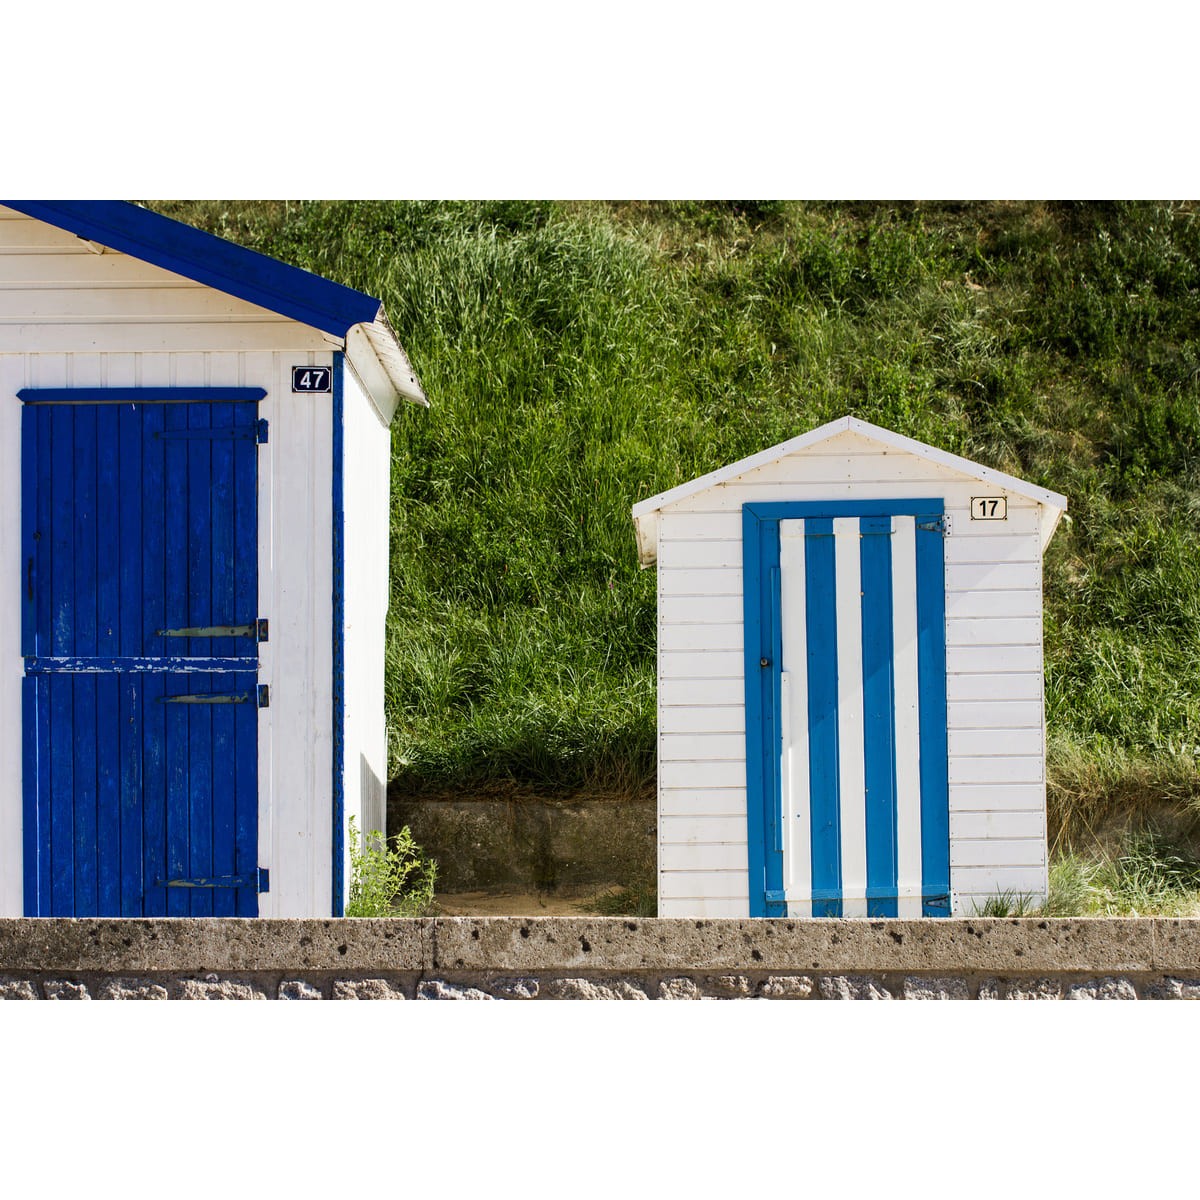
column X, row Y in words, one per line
column 989, row 508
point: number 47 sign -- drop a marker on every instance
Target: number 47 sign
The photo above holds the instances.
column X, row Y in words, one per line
column 989, row 508
column 311, row 379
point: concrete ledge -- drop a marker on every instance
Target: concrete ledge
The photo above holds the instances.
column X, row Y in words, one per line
column 593, row 957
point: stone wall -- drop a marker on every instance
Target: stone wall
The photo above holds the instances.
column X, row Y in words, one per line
column 516, row 838
column 518, row 958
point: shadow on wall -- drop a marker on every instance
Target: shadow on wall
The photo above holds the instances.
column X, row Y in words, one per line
column 505, row 835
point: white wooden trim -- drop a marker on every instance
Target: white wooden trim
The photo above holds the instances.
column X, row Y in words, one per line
column 908, row 742
column 863, row 429
column 797, row 801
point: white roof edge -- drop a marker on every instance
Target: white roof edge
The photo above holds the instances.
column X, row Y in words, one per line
column 380, row 362
column 866, row 429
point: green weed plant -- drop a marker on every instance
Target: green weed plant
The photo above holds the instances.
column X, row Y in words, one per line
column 389, row 877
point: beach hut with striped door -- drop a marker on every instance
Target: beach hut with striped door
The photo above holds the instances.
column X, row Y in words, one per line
column 194, row 482
column 850, row 688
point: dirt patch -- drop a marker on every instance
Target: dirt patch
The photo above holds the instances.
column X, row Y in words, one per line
column 514, row 904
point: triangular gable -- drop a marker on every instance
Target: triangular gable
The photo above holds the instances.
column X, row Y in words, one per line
column 643, row 512
column 356, row 319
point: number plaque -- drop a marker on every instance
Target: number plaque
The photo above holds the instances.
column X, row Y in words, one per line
column 989, row 508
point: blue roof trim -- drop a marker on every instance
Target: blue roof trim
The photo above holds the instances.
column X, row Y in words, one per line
column 246, row 274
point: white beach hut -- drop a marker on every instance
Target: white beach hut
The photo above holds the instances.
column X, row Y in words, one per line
column 850, row 689
column 194, row 482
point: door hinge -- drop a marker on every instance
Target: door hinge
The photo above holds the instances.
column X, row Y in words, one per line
column 940, row 525
column 264, row 695
column 215, row 631
column 263, row 431
column 256, row 629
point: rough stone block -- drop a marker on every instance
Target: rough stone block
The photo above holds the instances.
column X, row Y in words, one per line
column 1176, row 989
column 17, row 989
column 729, row 987
column 366, row 989
column 1035, row 989
column 131, row 989
column 65, row 989
column 298, row 989
column 211, row 987
column 594, row 989
column 850, row 987
column 917, row 987
column 525, row 988
column 679, row 988
column 1102, row 989
column 786, row 987
column 439, row 989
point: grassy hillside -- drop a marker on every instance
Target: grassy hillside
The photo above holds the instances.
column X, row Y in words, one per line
column 580, row 357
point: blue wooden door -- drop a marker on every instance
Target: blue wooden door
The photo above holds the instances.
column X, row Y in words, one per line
column 848, row 800
column 140, row 638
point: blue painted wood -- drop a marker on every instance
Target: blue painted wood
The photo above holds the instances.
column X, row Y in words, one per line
column 37, row 868
column 179, row 664
column 30, row 424
column 773, row 698
column 779, row 510
column 760, row 572
column 132, row 534
column 338, row 815
column 200, row 613
column 108, row 638
column 139, row 395
column 823, row 750
column 153, row 714
column 60, row 479
column 201, row 256
column 176, row 613
column 762, row 711
column 245, row 720
column 132, row 800
column 931, row 705
column 879, row 714
column 33, row 692
column 223, row 607
column 84, row 714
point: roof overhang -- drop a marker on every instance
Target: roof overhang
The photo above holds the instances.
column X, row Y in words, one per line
column 645, row 513
column 353, row 317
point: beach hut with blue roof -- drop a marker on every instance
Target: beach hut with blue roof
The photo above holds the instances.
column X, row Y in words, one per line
column 194, row 497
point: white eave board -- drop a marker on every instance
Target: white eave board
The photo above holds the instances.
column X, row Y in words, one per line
column 645, row 512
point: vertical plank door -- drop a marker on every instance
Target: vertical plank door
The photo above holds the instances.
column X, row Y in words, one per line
column 140, row 637
column 846, row 713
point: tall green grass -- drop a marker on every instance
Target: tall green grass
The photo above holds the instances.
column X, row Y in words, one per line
column 580, row 357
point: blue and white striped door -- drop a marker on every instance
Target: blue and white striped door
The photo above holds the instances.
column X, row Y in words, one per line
column 846, row 655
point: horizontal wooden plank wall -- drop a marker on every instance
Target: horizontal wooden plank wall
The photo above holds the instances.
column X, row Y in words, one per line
column 294, row 592
column 58, row 295
column 994, row 660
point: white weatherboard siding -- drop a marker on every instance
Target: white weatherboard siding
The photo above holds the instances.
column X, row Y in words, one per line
column 295, row 594
column 58, row 295
column 366, row 490
column 994, row 660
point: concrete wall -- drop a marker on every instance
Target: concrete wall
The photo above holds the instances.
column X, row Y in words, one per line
column 465, row 958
